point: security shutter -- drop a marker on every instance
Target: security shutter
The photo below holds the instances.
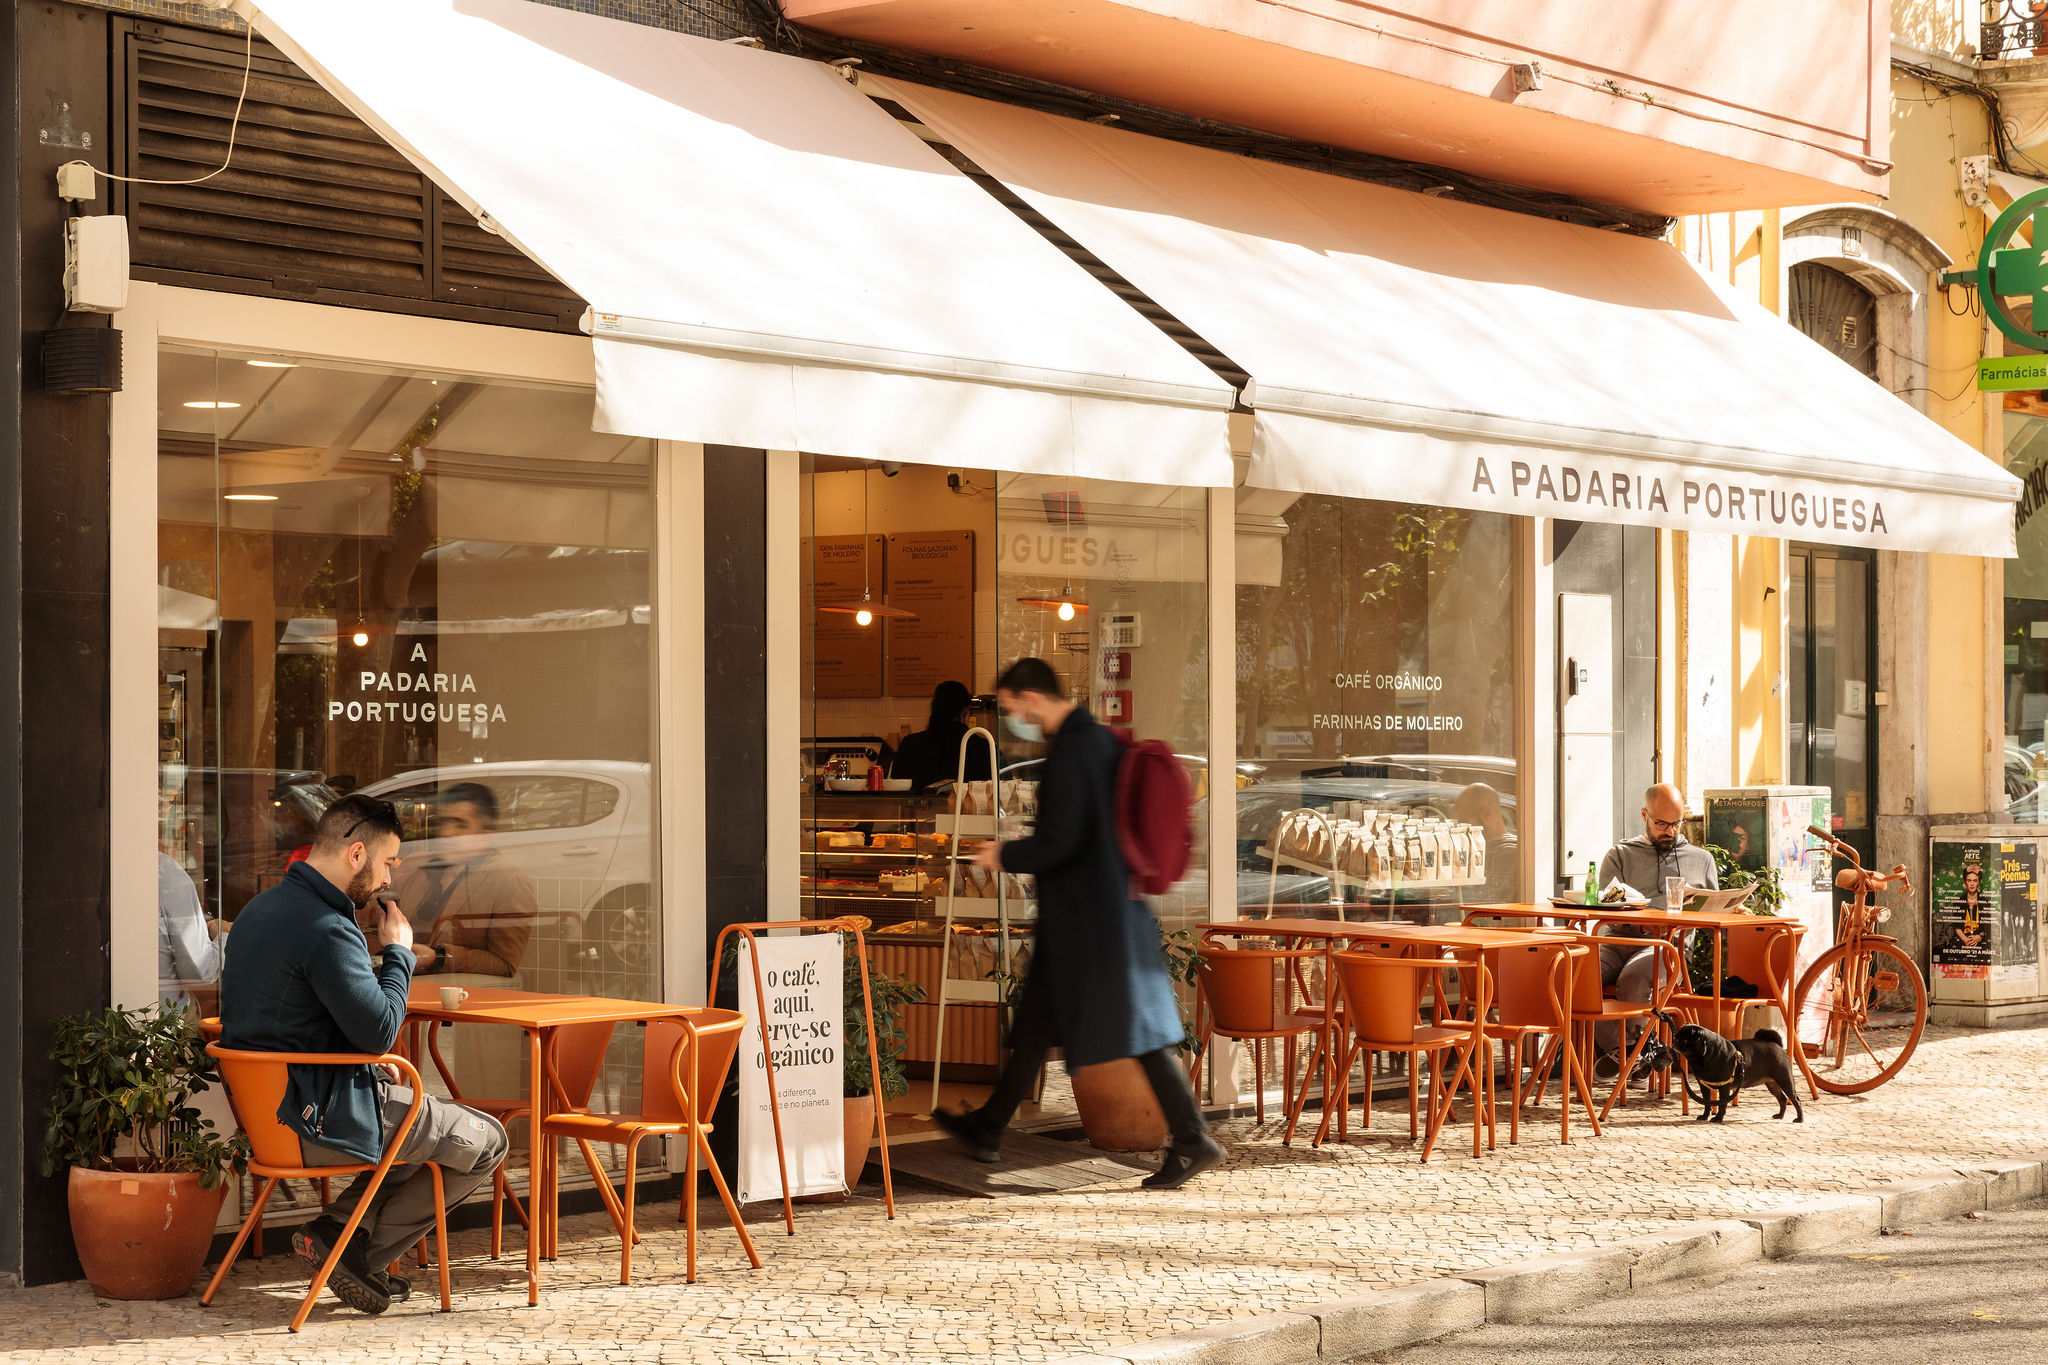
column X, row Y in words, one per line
column 314, row 205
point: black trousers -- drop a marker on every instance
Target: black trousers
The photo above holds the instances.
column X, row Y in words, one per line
column 1031, row 1039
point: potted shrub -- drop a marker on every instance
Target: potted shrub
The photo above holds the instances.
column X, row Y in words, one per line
column 1118, row 1111
column 890, row 994
column 148, row 1172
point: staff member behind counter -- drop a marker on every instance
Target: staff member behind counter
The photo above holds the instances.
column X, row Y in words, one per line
column 932, row 755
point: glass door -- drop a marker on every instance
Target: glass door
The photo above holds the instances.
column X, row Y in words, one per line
column 1831, row 673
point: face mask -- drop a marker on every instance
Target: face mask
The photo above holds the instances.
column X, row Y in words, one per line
column 1023, row 729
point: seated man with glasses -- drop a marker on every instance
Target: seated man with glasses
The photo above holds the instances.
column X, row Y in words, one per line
column 298, row 977
column 1645, row 862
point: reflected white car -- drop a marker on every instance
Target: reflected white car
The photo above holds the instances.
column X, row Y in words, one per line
column 583, row 830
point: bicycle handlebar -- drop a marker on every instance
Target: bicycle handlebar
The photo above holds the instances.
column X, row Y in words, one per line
column 1841, row 849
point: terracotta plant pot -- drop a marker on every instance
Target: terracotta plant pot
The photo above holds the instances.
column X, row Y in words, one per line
column 1118, row 1110
column 860, row 1135
column 142, row 1236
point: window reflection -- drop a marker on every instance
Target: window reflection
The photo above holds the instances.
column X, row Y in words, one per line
column 1376, row 685
column 432, row 589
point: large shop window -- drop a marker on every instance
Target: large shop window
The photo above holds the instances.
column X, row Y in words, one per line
column 965, row 570
column 430, row 589
column 1376, row 677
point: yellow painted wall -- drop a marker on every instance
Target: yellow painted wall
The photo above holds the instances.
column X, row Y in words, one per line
column 1931, row 133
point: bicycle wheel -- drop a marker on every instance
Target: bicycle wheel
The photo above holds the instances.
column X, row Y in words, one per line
column 1861, row 1009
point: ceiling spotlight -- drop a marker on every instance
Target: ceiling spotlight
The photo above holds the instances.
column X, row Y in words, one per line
column 1066, row 611
column 863, row 617
column 360, row 638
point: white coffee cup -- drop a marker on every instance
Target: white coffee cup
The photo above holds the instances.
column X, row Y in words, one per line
column 452, row 997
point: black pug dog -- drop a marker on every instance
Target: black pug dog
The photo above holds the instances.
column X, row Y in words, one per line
column 1722, row 1068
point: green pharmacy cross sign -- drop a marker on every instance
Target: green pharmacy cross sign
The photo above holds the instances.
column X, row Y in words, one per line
column 2007, row 268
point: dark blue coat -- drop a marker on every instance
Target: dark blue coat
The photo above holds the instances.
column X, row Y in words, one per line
column 1097, row 974
column 298, row 978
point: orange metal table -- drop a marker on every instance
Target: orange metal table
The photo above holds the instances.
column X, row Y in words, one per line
column 1665, row 924
column 539, row 1015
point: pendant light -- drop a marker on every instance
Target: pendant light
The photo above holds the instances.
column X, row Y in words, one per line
column 1065, row 606
column 866, row 610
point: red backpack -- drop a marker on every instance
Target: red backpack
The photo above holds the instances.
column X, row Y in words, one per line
column 1154, row 806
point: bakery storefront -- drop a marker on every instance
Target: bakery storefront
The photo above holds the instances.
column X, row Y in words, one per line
column 1286, row 496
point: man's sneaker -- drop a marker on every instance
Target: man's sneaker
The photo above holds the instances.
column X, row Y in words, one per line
column 1184, row 1162
column 974, row 1139
column 350, row 1280
column 1607, row 1066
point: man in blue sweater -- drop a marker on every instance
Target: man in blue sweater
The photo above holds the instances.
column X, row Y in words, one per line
column 298, row 977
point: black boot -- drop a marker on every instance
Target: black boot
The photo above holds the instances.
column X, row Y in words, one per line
column 1184, row 1162
column 975, row 1138
column 351, row 1280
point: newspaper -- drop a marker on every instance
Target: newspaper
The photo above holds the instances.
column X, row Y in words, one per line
column 1697, row 899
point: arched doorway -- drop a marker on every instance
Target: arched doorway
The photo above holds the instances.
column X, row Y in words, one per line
column 1835, row 311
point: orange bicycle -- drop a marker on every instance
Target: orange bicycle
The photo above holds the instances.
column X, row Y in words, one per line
column 1863, row 1001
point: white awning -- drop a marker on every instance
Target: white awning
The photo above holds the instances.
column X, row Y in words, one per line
column 770, row 259
column 1417, row 349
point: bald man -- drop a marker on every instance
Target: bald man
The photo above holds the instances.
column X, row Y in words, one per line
column 1644, row 862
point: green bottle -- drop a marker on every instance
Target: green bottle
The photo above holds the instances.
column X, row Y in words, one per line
column 1592, row 884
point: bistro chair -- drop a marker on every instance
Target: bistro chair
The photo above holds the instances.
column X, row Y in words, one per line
column 684, row 1064
column 1533, row 998
column 1383, row 1013
column 255, row 1083
column 579, row 1060
column 1254, row 995
column 1763, row 955
column 1591, row 1007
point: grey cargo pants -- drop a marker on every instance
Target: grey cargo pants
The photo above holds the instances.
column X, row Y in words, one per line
column 467, row 1145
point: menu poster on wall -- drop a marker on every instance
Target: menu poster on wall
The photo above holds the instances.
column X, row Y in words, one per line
column 848, row 655
column 2018, row 949
column 1965, row 897
column 932, row 574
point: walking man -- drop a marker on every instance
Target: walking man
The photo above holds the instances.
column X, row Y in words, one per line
column 298, row 978
column 1098, row 987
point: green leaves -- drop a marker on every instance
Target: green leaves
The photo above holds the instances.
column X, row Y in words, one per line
column 128, row 1074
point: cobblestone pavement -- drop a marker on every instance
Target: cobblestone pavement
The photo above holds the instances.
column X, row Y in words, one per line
column 968, row 1280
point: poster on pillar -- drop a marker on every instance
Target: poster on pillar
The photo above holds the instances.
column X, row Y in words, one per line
column 802, row 999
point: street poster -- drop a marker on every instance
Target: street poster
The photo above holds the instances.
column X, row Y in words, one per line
column 1965, row 895
column 2016, row 954
column 1736, row 823
column 803, row 980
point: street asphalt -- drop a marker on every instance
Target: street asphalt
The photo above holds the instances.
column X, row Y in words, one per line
column 1971, row 1290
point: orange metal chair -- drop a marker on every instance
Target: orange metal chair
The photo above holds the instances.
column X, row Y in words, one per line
column 1533, row 996
column 683, row 1068
column 579, row 1058
column 1764, row 957
column 255, row 1084
column 1590, row 1008
column 1252, row 995
column 1383, row 1013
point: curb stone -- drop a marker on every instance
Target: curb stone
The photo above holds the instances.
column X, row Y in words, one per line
column 1522, row 1291
column 1817, row 1223
column 1687, row 1252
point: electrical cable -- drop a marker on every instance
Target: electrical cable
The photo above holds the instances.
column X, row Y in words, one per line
column 234, row 127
